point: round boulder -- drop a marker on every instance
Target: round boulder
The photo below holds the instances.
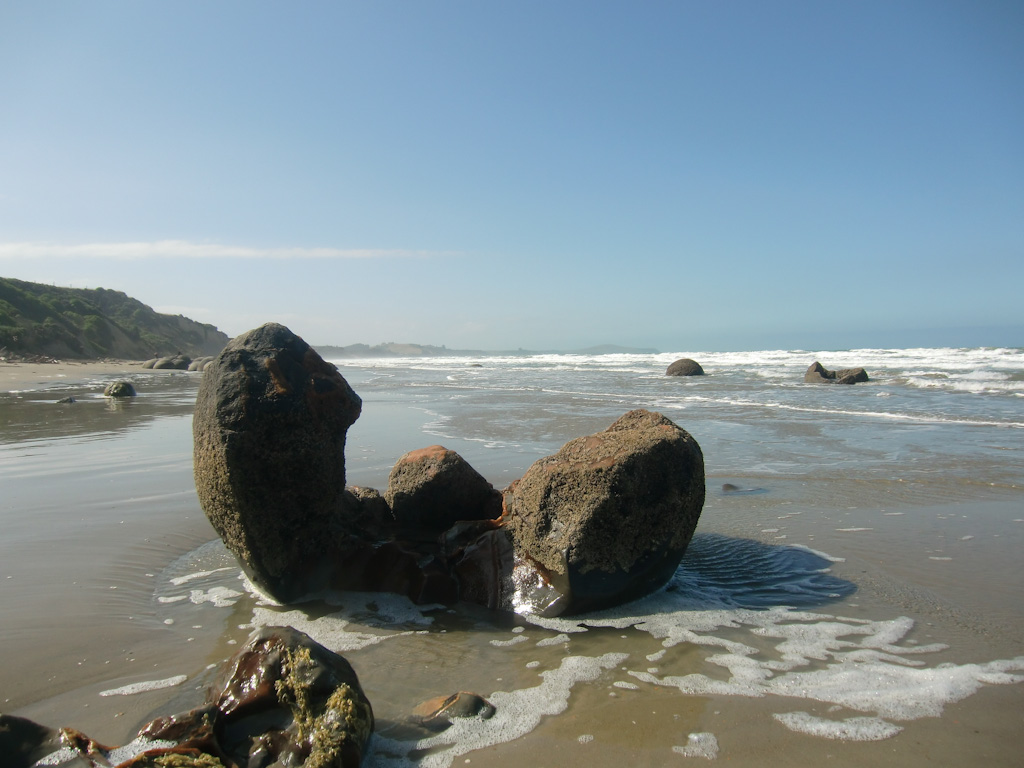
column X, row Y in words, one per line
column 269, row 430
column 685, row 367
column 431, row 489
column 177, row 362
column 119, row 389
column 610, row 515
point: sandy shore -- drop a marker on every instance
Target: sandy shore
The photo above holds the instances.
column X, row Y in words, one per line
column 16, row 376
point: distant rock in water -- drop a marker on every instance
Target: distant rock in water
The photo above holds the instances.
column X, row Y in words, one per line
column 685, row 367
column 818, row 374
column 610, row 515
column 119, row 389
column 269, row 432
column 283, row 699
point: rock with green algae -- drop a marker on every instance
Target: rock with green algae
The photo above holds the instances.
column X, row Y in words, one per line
column 318, row 714
column 283, row 700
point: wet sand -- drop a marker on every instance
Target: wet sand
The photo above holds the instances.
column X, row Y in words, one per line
column 101, row 505
column 17, row 377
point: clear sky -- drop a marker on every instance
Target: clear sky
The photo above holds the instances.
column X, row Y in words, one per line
column 682, row 175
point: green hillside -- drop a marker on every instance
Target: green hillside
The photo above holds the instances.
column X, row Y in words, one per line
column 84, row 323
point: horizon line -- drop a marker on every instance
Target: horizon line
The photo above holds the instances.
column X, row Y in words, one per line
column 141, row 250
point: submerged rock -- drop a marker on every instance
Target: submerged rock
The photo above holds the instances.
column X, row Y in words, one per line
column 269, row 432
column 431, row 489
column 609, row 516
column 119, row 389
column 685, row 367
column 437, row 713
column 818, row 374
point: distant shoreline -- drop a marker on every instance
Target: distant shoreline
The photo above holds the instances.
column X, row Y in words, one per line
column 16, row 376
column 392, row 349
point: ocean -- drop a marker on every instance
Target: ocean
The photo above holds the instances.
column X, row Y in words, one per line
column 854, row 592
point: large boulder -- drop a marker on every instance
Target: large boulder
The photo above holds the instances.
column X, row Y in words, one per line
column 431, row 489
column 269, row 432
column 610, row 515
column 818, row 374
column 685, row 367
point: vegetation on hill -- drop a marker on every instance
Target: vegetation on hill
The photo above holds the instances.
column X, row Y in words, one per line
column 82, row 323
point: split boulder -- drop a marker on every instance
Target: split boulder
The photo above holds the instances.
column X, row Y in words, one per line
column 818, row 374
column 610, row 515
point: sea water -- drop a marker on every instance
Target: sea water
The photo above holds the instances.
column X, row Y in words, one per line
column 860, row 576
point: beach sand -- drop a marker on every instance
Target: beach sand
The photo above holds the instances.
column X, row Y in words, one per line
column 18, row 376
column 100, row 515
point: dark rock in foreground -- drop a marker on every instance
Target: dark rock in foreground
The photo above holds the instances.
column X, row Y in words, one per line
column 283, row 700
column 610, row 515
column 269, row 433
column 320, row 715
column 818, row 374
column 431, row 489
column 685, row 367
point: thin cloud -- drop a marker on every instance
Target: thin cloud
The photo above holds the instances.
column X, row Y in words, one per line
column 183, row 249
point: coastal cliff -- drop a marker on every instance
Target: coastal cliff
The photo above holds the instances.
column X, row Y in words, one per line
column 80, row 323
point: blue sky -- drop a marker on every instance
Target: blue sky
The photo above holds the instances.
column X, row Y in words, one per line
column 682, row 175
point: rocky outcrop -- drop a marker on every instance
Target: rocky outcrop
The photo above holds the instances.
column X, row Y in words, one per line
column 281, row 700
column 685, row 367
column 431, row 489
column 119, row 389
column 604, row 520
column 610, row 515
column 269, row 438
column 818, row 374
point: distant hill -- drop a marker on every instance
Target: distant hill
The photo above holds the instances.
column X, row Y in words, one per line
column 391, row 349
column 82, row 323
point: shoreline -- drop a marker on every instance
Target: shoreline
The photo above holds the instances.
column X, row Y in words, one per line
column 927, row 526
column 16, row 376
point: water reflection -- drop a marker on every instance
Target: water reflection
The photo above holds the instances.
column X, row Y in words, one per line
column 39, row 414
column 721, row 571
